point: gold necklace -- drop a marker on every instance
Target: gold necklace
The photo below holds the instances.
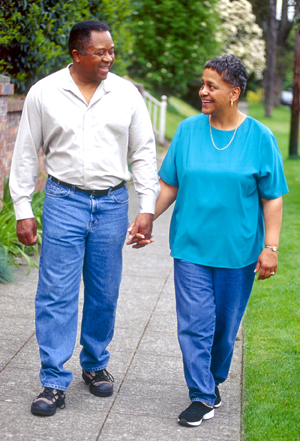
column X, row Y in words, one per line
column 212, row 140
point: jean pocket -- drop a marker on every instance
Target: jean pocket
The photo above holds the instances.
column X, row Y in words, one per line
column 54, row 190
column 121, row 196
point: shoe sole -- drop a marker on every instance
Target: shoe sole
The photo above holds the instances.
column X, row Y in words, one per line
column 217, row 405
column 40, row 412
column 101, row 394
column 207, row 416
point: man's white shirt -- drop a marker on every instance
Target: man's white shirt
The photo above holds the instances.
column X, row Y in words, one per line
column 85, row 145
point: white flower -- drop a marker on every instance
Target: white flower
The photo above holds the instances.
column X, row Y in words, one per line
column 240, row 34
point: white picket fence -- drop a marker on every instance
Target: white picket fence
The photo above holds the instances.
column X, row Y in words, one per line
column 157, row 110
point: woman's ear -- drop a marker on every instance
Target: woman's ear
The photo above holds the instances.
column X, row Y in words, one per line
column 235, row 93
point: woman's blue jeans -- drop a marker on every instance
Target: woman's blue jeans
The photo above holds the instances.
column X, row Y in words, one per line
column 82, row 235
column 210, row 304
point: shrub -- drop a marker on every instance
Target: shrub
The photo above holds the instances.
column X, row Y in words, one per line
column 255, row 97
column 9, row 242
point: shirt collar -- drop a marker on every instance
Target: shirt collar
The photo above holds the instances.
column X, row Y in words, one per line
column 69, row 84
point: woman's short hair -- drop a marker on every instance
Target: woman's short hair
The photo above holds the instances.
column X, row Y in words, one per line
column 80, row 34
column 231, row 70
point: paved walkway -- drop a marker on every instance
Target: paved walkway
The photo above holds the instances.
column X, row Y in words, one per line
column 150, row 389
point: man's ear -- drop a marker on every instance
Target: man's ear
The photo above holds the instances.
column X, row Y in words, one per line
column 76, row 55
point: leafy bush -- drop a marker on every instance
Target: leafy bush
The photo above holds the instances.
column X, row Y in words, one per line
column 6, row 274
column 255, row 97
column 174, row 39
column 9, row 243
column 34, row 35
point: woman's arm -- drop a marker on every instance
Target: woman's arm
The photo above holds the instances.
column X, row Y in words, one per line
column 165, row 198
column 268, row 260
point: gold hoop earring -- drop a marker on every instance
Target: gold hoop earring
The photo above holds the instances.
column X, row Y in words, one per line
column 231, row 103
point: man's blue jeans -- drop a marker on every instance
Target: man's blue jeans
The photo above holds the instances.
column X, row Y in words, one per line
column 210, row 303
column 82, row 234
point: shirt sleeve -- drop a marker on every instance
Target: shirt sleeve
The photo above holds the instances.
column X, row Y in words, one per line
column 168, row 171
column 25, row 161
column 271, row 180
column 142, row 156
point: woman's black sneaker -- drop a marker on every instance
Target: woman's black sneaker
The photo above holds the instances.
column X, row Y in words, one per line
column 100, row 382
column 218, row 401
column 47, row 401
column 195, row 413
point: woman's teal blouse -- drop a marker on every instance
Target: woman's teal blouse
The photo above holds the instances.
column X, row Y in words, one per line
column 218, row 218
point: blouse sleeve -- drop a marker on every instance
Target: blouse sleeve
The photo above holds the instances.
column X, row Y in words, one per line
column 271, row 179
column 168, row 170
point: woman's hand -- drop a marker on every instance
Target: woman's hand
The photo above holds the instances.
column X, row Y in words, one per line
column 137, row 237
column 267, row 264
column 268, row 260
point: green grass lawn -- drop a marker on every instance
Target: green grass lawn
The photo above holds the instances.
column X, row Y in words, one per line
column 271, row 401
column 177, row 111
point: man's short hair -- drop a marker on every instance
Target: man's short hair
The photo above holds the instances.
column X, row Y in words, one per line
column 80, row 34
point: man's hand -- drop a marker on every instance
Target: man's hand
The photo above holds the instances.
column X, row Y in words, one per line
column 26, row 231
column 140, row 231
column 267, row 264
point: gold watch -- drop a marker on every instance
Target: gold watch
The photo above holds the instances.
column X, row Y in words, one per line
column 271, row 248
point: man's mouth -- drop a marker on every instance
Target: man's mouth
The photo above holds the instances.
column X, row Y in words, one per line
column 104, row 68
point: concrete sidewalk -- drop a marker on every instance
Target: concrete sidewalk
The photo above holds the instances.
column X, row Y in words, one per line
column 150, row 389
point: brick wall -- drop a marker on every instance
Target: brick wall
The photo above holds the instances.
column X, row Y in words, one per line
column 10, row 115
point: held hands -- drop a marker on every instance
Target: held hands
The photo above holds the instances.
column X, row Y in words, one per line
column 267, row 264
column 26, row 231
column 140, row 231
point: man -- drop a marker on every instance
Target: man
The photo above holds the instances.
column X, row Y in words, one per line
column 89, row 122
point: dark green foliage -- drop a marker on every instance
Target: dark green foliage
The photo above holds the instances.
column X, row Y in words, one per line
column 34, row 34
column 6, row 273
column 174, row 38
column 9, row 243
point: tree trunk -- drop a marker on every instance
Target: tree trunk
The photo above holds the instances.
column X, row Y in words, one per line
column 294, row 133
column 271, row 61
column 278, row 82
column 283, row 31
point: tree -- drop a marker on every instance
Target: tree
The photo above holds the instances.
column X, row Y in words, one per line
column 174, row 38
column 241, row 36
column 284, row 54
column 34, row 34
column 271, row 60
column 295, row 110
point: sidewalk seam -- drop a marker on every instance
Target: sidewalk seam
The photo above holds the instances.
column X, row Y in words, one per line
column 133, row 356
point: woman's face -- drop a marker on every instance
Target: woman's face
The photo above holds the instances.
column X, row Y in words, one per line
column 215, row 93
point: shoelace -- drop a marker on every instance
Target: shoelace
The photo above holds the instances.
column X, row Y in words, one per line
column 49, row 394
column 102, row 376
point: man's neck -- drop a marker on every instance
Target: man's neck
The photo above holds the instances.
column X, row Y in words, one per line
column 87, row 88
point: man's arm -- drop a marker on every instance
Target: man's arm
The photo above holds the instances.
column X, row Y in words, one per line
column 24, row 169
column 268, row 260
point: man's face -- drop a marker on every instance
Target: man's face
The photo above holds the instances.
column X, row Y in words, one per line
column 98, row 57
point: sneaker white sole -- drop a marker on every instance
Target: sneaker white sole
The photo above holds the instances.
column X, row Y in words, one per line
column 207, row 416
column 217, row 405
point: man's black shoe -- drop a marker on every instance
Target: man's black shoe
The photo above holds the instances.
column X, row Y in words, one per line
column 218, row 401
column 47, row 401
column 195, row 413
column 100, row 382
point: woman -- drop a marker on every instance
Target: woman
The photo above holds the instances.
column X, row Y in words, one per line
column 224, row 170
